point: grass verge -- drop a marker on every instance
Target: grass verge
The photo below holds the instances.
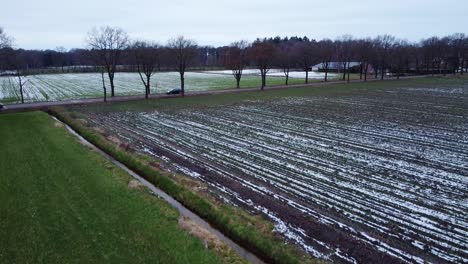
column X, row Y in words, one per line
column 63, row 203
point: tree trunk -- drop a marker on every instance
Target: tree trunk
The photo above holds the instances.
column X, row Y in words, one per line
column 307, row 76
column 238, row 78
column 344, row 71
column 21, row 91
column 263, row 80
column 104, row 87
column 349, row 72
column 287, row 79
column 111, row 79
column 360, row 71
column 148, row 83
column 21, row 87
column 146, row 91
column 365, row 72
column 382, row 73
column 326, row 74
column 182, row 84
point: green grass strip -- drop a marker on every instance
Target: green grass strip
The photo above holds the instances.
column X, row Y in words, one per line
column 63, row 203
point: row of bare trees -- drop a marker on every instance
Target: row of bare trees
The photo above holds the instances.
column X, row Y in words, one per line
column 111, row 50
column 381, row 56
column 109, row 43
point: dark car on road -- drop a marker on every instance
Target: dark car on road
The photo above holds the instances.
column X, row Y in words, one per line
column 175, row 91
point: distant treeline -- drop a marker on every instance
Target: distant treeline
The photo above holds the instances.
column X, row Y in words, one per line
column 446, row 54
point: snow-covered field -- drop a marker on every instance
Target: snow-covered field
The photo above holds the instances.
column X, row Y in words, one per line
column 280, row 73
column 372, row 177
column 56, row 87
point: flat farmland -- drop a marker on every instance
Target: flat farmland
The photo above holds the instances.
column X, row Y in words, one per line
column 56, row 87
column 377, row 173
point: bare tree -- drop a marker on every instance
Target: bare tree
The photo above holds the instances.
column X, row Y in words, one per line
column 285, row 59
column 326, row 50
column 443, row 51
column 102, row 70
column 345, row 53
column 464, row 60
column 364, row 52
column 60, row 57
column 306, row 56
column 374, row 58
column 146, row 56
column 19, row 61
column 399, row 57
column 235, row 59
column 5, row 49
column 94, row 58
column 183, row 52
column 430, row 53
column 457, row 47
column 435, row 51
column 384, row 46
column 262, row 54
column 416, row 57
column 5, row 40
column 109, row 42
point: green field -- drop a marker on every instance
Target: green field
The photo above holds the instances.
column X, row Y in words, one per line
column 62, row 203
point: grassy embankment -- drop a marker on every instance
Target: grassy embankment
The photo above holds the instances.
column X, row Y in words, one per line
column 63, row 203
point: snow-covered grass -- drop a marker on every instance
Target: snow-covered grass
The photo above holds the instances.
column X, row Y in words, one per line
column 55, row 87
column 280, row 73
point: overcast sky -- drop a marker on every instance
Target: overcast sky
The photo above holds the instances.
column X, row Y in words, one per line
column 52, row 23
